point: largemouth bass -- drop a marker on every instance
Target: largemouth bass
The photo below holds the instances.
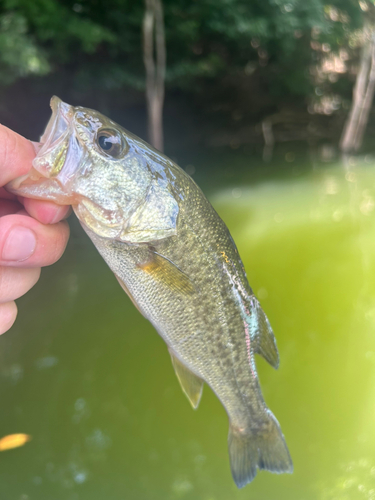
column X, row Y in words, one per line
column 177, row 261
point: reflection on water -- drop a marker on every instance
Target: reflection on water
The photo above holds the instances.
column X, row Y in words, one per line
column 91, row 381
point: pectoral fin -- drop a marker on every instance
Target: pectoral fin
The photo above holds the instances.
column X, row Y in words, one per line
column 190, row 383
column 163, row 270
column 262, row 334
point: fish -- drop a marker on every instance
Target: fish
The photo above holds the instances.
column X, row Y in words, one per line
column 13, row 441
column 175, row 258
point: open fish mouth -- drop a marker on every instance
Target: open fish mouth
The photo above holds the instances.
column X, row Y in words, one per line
column 57, row 128
column 57, row 159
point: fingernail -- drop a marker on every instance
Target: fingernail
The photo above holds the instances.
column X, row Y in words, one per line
column 58, row 215
column 19, row 245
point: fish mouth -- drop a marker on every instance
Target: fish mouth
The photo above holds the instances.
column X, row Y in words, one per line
column 46, row 179
column 58, row 127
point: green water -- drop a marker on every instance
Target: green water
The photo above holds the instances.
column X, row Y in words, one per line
column 87, row 376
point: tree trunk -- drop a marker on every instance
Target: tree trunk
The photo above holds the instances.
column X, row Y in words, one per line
column 269, row 139
column 367, row 101
column 363, row 93
column 154, row 57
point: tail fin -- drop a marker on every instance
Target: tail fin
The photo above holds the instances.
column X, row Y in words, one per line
column 263, row 448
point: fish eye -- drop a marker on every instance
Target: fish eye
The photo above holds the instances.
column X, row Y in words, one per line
column 110, row 142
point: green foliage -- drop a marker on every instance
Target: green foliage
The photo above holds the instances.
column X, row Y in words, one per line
column 99, row 42
column 19, row 55
column 59, row 27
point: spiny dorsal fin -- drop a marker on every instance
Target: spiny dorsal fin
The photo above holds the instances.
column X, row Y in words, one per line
column 263, row 337
column 162, row 269
column 190, row 383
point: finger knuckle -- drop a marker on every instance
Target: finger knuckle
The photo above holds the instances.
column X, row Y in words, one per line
column 9, row 145
column 15, row 282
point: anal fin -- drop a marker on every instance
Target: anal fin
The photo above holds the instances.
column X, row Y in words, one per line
column 191, row 385
column 262, row 334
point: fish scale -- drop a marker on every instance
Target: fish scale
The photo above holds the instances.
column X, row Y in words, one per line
column 177, row 261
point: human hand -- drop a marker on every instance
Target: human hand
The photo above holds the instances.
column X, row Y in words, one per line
column 31, row 232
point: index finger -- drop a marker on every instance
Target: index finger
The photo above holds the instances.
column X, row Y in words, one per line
column 16, row 155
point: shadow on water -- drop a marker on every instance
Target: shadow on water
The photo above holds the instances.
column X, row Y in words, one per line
column 91, row 381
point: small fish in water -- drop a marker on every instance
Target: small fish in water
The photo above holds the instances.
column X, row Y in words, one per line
column 177, row 261
column 13, row 441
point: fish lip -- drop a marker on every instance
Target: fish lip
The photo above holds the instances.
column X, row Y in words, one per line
column 57, row 132
column 32, row 177
column 57, row 128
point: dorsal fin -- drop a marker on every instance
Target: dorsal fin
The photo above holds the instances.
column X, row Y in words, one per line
column 164, row 270
column 191, row 385
column 263, row 338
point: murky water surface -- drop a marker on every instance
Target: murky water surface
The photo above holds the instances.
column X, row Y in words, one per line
column 89, row 379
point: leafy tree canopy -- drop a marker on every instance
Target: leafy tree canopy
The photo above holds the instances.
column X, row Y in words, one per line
column 99, row 41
